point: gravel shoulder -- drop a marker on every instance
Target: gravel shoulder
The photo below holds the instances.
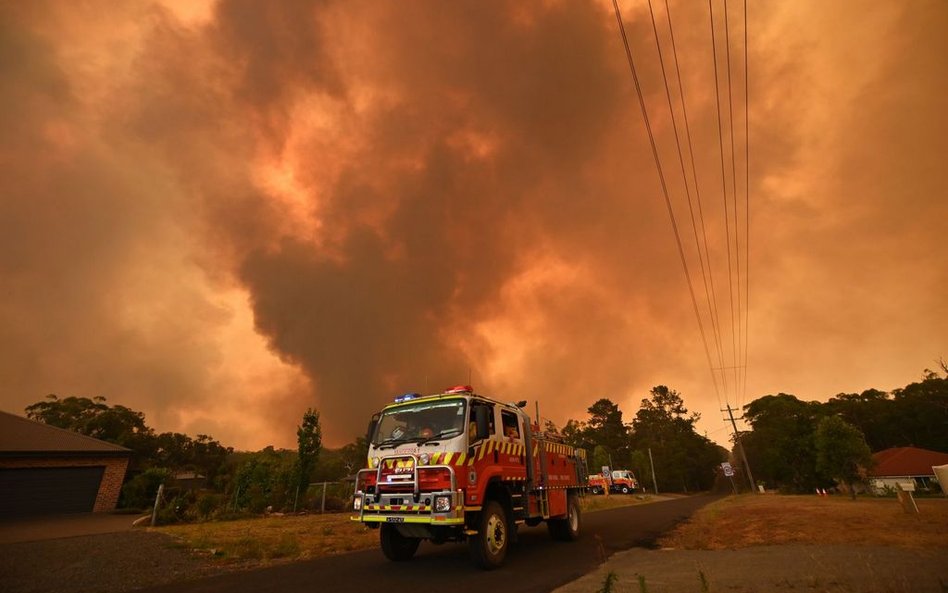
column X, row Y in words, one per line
column 105, row 563
column 794, row 567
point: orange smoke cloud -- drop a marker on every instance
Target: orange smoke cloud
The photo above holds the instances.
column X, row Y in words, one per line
column 222, row 214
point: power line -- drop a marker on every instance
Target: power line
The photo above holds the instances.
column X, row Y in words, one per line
column 684, row 176
column 746, row 207
column 737, row 242
column 713, row 300
column 661, row 177
column 727, row 228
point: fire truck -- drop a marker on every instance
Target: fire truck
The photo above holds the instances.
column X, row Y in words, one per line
column 461, row 467
column 621, row 480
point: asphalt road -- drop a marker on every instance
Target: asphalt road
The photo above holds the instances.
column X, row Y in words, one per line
column 536, row 564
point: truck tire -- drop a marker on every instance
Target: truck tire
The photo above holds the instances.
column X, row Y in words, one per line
column 625, row 489
column 567, row 529
column 396, row 546
column 489, row 546
column 596, row 490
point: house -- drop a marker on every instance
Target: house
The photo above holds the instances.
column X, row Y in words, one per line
column 905, row 465
column 46, row 470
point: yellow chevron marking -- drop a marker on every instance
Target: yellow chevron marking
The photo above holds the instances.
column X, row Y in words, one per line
column 461, row 458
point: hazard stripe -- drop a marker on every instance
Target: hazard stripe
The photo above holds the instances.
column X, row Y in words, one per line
column 398, row 507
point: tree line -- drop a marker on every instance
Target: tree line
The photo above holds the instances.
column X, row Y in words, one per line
column 797, row 445
column 792, row 445
column 661, row 435
column 231, row 482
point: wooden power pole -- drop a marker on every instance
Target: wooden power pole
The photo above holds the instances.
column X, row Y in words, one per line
column 740, row 449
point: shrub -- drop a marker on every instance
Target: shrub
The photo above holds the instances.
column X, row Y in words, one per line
column 140, row 491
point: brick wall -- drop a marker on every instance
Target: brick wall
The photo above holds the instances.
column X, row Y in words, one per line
column 112, row 478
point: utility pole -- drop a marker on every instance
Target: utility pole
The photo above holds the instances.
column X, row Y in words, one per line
column 652, row 463
column 740, row 448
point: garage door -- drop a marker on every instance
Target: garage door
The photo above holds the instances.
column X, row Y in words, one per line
column 26, row 492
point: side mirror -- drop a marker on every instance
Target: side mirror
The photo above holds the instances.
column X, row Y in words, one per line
column 370, row 432
column 482, row 421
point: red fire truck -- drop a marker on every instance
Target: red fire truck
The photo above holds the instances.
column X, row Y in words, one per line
column 620, row 480
column 458, row 466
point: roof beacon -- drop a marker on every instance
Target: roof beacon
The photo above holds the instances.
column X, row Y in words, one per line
column 460, row 389
column 405, row 397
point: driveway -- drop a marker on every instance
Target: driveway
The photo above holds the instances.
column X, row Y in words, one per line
column 59, row 526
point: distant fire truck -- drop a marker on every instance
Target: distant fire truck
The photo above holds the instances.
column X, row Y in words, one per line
column 620, row 480
column 458, row 466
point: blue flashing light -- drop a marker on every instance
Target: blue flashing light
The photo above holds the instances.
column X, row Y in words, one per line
column 405, row 397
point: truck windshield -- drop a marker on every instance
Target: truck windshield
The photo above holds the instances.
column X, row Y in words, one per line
column 423, row 421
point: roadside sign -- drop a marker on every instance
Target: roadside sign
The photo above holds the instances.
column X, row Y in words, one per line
column 607, row 474
column 728, row 470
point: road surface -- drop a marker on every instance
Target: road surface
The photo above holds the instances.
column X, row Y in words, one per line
column 536, row 564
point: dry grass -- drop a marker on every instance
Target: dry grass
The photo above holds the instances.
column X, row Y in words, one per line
column 734, row 522
column 748, row 520
column 274, row 539
column 592, row 503
column 286, row 538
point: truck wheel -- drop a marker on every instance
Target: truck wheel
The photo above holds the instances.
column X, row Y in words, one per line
column 396, row 546
column 625, row 490
column 567, row 529
column 596, row 490
column 489, row 545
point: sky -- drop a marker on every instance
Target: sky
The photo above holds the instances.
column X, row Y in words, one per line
column 224, row 213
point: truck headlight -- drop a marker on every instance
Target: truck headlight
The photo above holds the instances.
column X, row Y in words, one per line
column 442, row 504
column 424, row 458
column 357, row 502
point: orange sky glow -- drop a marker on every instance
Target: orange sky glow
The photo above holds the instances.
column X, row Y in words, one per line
column 223, row 213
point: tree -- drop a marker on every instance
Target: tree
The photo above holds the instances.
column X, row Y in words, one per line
column 921, row 414
column 573, row 433
column 95, row 418
column 780, row 447
column 354, row 455
column 841, row 451
column 309, row 437
column 872, row 411
column 600, row 459
column 684, row 459
column 606, row 429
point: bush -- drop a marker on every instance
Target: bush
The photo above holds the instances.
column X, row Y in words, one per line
column 208, row 504
column 178, row 506
column 140, row 491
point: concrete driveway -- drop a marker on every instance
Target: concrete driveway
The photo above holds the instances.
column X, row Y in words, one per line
column 58, row 526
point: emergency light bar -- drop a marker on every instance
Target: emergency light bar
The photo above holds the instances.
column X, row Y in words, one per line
column 460, row 389
column 405, row 397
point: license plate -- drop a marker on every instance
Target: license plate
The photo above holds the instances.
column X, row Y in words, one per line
column 394, row 519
